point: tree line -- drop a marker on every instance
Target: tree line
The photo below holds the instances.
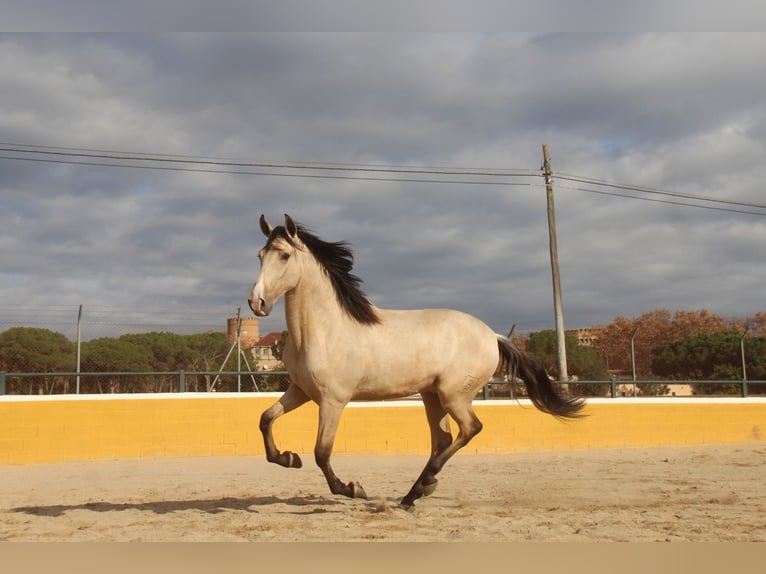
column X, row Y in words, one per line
column 684, row 345
column 37, row 350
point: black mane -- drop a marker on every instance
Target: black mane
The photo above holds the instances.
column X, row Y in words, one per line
column 337, row 259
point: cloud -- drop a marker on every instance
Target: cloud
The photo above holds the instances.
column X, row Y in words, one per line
column 678, row 112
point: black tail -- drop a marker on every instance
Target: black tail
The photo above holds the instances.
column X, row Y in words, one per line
column 539, row 387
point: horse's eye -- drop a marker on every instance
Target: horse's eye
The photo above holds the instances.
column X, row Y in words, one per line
column 284, row 256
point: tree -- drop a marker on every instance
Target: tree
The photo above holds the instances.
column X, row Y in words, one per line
column 613, row 342
column 758, row 324
column 582, row 362
column 111, row 355
column 206, row 350
column 29, row 349
column 690, row 323
column 713, row 357
column 25, row 349
column 755, row 362
column 755, row 325
column 651, row 330
column 166, row 351
column 158, row 352
column 34, row 350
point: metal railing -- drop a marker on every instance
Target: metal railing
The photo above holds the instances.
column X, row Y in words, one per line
column 257, row 381
column 178, row 381
column 721, row 388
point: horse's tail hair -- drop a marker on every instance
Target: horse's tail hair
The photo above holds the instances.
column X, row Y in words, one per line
column 539, row 387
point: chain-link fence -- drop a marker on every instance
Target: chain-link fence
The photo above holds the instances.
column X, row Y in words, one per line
column 108, row 350
column 16, row 383
column 104, row 350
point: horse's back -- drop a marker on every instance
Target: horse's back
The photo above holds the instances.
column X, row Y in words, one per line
column 422, row 326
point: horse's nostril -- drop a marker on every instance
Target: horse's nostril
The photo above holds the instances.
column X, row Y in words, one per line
column 255, row 305
column 258, row 306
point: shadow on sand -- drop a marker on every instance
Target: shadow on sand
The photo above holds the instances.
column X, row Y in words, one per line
column 310, row 504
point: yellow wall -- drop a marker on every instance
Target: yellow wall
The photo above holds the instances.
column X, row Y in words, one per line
column 83, row 428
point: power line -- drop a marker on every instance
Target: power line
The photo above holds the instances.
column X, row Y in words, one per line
column 181, row 163
column 642, row 189
column 322, row 166
column 668, row 202
column 277, row 174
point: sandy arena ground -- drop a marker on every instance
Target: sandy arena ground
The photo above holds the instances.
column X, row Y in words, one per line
column 711, row 493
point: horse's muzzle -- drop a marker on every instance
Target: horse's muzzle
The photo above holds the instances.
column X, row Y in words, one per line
column 259, row 307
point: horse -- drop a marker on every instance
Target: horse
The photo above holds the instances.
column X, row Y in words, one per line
column 342, row 348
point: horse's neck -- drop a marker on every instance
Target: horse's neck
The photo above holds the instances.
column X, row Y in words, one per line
column 312, row 311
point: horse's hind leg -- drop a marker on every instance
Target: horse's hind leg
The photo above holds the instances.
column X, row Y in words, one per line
column 469, row 426
column 291, row 399
column 441, row 437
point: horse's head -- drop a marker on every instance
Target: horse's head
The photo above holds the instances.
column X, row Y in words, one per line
column 279, row 266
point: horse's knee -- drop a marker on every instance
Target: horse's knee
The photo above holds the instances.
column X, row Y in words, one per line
column 265, row 422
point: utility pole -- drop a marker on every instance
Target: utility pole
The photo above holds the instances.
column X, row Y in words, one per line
column 633, row 357
column 557, row 305
column 744, row 369
column 79, row 343
column 239, row 351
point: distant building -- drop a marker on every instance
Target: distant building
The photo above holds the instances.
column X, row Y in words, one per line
column 250, row 339
column 585, row 337
column 264, row 353
column 248, row 332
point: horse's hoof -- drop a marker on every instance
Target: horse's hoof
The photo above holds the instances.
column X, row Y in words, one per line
column 291, row 460
column 429, row 488
column 357, row 491
column 407, row 505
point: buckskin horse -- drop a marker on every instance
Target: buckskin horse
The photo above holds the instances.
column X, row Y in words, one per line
column 342, row 348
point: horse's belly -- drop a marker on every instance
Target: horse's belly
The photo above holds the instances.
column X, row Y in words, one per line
column 376, row 388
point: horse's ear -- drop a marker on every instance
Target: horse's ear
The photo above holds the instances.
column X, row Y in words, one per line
column 265, row 227
column 290, row 226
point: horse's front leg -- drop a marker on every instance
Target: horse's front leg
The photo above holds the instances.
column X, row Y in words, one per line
column 329, row 418
column 291, row 399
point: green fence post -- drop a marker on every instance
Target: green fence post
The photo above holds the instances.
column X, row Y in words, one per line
column 2, row 382
column 181, row 381
column 744, row 388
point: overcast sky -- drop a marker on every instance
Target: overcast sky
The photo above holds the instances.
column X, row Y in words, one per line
column 140, row 248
